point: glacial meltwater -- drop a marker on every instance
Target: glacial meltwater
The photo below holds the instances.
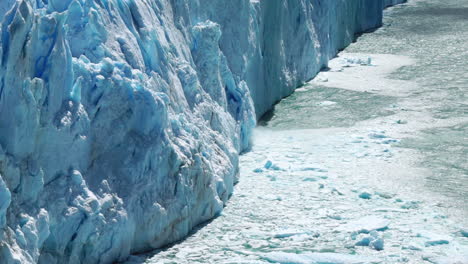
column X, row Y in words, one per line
column 367, row 163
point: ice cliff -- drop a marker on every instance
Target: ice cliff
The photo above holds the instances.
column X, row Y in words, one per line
column 121, row 121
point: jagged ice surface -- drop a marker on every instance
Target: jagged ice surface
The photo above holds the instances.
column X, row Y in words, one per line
column 121, row 121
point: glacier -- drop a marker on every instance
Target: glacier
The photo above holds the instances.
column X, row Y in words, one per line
column 122, row 121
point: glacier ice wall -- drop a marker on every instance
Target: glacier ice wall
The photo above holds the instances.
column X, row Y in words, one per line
column 121, row 121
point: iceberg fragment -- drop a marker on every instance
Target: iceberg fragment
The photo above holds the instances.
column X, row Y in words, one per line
column 366, row 224
column 317, row 258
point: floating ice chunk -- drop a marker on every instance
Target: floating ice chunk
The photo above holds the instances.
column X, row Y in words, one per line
column 390, row 141
column 271, row 197
column 367, row 224
column 326, row 103
column 413, row 246
column 317, row 258
column 256, row 244
column 464, row 232
column 294, row 232
column 258, row 170
column 388, row 209
column 335, row 217
column 353, row 61
column 377, row 244
column 271, row 177
column 436, row 242
column 309, row 179
column 402, row 122
column 373, row 240
column 385, row 195
column 460, row 259
column 433, row 239
column 274, row 167
column 364, row 241
column 380, row 135
column 313, row 169
column 270, row 166
column 336, row 191
column 361, row 155
column 439, row 216
column 365, row 195
column 411, row 205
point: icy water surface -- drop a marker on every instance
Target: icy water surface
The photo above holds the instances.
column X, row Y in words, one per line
column 312, row 109
column 365, row 164
column 435, row 33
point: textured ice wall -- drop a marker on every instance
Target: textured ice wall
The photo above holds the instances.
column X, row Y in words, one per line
column 121, row 121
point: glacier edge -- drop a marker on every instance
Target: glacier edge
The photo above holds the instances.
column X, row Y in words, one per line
column 121, row 121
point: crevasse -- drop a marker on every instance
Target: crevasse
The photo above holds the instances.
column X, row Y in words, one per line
column 121, row 121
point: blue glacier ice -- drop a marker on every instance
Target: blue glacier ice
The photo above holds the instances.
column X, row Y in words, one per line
column 121, row 121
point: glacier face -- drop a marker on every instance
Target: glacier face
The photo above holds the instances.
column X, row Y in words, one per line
column 121, row 121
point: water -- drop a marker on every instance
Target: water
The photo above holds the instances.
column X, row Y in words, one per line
column 394, row 131
column 319, row 109
column 434, row 33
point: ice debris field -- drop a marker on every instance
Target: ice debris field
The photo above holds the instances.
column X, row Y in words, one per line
column 332, row 195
